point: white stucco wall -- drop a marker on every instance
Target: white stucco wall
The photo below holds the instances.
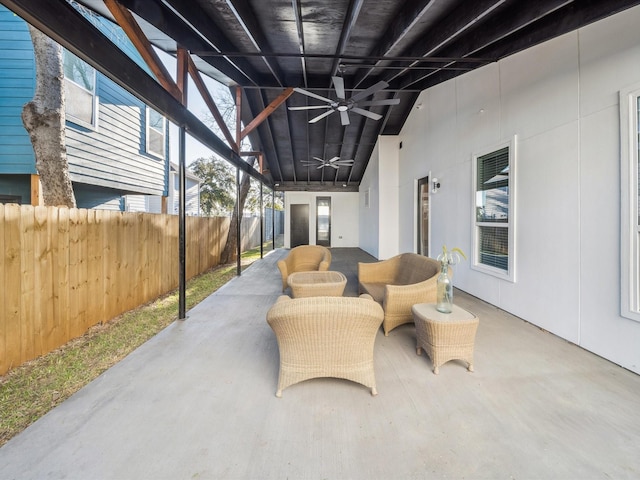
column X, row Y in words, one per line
column 561, row 100
column 369, row 201
column 379, row 221
column 344, row 217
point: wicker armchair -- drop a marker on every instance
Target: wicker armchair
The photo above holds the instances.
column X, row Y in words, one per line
column 304, row 258
column 325, row 337
column 399, row 283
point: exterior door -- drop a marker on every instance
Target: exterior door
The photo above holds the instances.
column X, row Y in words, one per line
column 299, row 224
column 323, row 221
column 423, row 216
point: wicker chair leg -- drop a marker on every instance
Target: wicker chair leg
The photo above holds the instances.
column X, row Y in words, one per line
column 374, row 391
column 279, row 393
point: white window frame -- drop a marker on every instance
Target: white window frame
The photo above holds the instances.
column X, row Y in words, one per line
column 629, row 190
column 93, row 124
column 149, row 127
column 510, row 273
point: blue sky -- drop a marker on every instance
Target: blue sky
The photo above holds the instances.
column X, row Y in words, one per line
column 194, row 149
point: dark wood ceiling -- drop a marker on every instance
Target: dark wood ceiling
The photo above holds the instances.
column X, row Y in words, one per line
column 266, row 46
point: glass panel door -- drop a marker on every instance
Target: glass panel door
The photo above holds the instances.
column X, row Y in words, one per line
column 423, row 216
column 323, row 221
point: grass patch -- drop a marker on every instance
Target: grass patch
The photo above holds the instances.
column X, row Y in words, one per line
column 32, row 389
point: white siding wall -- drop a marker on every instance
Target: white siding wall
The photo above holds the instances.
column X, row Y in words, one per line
column 344, row 217
column 561, row 100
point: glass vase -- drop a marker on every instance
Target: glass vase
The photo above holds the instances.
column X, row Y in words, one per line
column 444, row 291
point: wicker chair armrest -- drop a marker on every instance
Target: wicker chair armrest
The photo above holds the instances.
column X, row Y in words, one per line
column 326, row 259
column 284, row 268
column 400, row 298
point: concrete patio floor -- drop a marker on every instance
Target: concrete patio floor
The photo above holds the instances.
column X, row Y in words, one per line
column 198, row 401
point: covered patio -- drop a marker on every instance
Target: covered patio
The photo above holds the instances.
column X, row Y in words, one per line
column 197, row 401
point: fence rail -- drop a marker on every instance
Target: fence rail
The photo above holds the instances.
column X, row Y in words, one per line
column 65, row 270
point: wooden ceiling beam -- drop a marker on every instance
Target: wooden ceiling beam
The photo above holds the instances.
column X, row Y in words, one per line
column 182, row 74
column 269, row 109
column 126, row 21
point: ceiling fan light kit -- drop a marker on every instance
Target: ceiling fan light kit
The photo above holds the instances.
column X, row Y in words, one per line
column 344, row 105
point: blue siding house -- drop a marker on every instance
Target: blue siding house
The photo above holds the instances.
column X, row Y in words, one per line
column 116, row 145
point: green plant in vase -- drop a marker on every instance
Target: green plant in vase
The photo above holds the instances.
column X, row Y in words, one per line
column 444, row 286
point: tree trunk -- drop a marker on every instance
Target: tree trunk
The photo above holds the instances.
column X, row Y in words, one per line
column 44, row 118
column 229, row 254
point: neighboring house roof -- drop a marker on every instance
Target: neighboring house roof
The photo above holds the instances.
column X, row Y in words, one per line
column 189, row 174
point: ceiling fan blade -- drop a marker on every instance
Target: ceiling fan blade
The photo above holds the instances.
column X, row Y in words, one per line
column 338, row 84
column 344, row 118
column 319, row 159
column 373, row 103
column 310, row 107
column 344, row 163
column 321, row 166
column 370, row 91
column 366, row 113
column 311, row 94
column 334, row 159
column 320, row 117
column 333, row 165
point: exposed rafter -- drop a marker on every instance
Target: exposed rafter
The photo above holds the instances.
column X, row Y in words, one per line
column 205, row 37
column 452, row 27
column 499, row 27
column 352, row 16
column 142, row 44
column 297, row 14
column 395, row 34
column 247, row 19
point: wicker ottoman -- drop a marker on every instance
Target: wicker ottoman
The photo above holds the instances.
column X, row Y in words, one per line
column 317, row 284
column 445, row 336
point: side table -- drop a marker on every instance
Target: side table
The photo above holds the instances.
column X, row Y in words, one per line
column 317, row 284
column 445, row 336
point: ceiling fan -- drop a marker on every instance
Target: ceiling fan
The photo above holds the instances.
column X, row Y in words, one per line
column 335, row 162
column 346, row 105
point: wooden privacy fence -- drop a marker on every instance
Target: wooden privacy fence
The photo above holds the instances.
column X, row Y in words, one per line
column 64, row 270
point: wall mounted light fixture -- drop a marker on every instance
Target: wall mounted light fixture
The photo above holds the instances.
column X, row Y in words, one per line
column 435, row 185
